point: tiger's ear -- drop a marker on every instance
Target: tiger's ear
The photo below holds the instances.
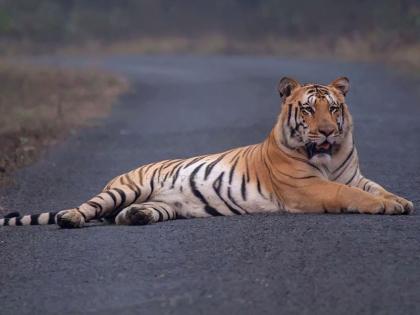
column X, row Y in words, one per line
column 286, row 86
column 342, row 84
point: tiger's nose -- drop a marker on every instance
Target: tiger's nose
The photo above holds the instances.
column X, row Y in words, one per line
column 326, row 130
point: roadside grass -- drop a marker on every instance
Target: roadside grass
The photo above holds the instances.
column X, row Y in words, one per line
column 403, row 55
column 41, row 105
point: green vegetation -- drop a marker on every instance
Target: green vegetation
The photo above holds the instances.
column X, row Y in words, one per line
column 360, row 29
column 52, row 21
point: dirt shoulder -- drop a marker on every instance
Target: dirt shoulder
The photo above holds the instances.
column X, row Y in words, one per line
column 42, row 105
column 403, row 56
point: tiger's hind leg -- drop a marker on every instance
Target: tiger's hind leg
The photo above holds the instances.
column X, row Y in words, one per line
column 145, row 213
column 106, row 204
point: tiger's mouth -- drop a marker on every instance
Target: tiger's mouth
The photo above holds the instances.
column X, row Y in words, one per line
column 313, row 148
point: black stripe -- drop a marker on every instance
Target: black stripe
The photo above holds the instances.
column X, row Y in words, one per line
column 243, row 188
column 129, row 179
column 233, row 200
column 195, row 160
column 259, row 187
column 235, row 155
column 342, row 171
column 34, row 219
column 364, row 186
column 122, row 180
column 136, row 189
column 166, row 211
column 146, row 168
column 358, row 182
column 18, row 221
column 12, row 215
column 176, row 167
column 170, row 162
column 159, row 170
column 122, row 195
column 152, row 184
column 209, row 167
column 97, row 207
column 112, row 196
column 175, row 176
column 210, row 210
column 285, row 143
column 246, row 151
column 232, row 171
column 246, row 154
column 166, row 177
column 346, row 159
column 217, row 186
column 6, row 222
column 78, row 210
column 51, row 218
column 349, row 181
column 160, row 214
column 248, row 177
column 289, row 114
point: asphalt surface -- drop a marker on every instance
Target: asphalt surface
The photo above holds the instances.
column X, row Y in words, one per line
column 263, row 264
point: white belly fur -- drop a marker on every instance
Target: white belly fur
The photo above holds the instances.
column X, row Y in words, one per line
column 187, row 204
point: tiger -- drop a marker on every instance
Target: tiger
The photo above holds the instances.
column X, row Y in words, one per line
column 308, row 163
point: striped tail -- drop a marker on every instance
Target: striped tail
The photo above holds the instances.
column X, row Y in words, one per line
column 15, row 219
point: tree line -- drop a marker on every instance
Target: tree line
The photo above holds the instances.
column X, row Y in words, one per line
column 73, row 21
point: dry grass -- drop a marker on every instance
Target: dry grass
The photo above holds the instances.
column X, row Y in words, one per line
column 355, row 49
column 39, row 106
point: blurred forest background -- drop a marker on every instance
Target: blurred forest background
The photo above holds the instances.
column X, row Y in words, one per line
column 357, row 29
column 38, row 106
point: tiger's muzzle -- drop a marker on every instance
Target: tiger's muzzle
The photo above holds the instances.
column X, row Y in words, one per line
column 312, row 148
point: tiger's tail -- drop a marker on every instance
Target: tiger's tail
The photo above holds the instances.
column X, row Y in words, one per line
column 15, row 219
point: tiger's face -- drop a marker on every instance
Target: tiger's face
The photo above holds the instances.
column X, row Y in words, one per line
column 314, row 118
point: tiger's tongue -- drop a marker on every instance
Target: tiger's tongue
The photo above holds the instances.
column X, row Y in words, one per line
column 325, row 145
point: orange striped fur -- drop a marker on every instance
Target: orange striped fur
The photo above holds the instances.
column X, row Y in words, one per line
column 307, row 164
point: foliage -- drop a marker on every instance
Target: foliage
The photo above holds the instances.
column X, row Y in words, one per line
column 75, row 21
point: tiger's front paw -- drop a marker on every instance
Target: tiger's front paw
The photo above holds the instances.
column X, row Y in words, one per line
column 383, row 206
column 393, row 207
column 69, row 219
column 408, row 205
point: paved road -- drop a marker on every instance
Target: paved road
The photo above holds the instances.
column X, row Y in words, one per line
column 262, row 264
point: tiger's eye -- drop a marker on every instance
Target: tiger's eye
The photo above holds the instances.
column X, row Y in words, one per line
column 307, row 110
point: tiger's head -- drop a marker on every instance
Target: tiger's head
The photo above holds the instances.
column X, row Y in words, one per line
column 314, row 119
